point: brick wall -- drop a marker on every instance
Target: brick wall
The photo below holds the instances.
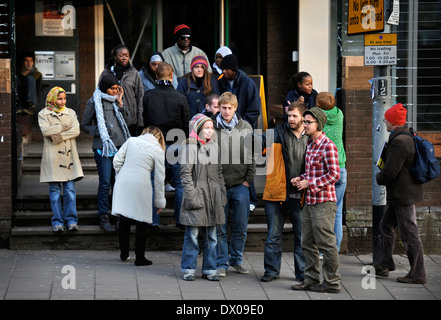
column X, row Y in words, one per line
column 357, row 106
column 5, row 151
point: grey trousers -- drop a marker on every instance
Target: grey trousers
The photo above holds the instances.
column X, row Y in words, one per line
column 405, row 218
column 318, row 234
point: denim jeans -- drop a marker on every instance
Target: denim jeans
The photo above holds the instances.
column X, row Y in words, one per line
column 340, row 189
column 106, row 174
column 66, row 213
column 239, row 202
column 276, row 212
column 190, row 250
column 175, row 173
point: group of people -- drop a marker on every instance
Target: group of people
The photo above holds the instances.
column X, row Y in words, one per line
column 175, row 120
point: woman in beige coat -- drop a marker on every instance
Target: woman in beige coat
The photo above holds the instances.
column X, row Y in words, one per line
column 60, row 164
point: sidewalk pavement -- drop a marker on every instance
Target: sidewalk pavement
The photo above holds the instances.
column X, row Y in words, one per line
column 101, row 275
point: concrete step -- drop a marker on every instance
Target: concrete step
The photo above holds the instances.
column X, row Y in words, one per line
column 165, row 237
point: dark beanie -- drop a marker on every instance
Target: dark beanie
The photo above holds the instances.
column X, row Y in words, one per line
column 319, row 115
column 229, row 62
column 107, row 81
column 181, row 29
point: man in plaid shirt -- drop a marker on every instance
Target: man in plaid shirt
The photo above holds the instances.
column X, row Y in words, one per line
column 318, row 216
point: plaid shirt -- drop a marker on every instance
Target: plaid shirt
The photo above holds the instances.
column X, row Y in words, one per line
column 322, row 170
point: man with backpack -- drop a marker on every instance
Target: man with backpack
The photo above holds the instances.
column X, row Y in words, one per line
column 403, row 191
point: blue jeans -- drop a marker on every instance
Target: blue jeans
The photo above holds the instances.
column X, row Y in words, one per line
column 190, row 250
column 175, row 170
column 275, row 218
column 106, row 174
column 66, row 213
column 239, row 201
column 340, row 188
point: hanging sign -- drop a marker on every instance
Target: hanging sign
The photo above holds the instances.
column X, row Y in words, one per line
column 365, row 16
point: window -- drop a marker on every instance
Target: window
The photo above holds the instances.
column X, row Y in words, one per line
column 418, row 71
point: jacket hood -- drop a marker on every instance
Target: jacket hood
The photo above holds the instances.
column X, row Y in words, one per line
column 333, row 115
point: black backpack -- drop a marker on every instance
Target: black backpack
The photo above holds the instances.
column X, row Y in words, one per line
column 426, row 165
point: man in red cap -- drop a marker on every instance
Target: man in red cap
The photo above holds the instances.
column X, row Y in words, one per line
column 402, row 194
column 181, row 54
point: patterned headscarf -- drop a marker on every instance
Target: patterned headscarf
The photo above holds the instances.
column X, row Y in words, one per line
column 51, row 99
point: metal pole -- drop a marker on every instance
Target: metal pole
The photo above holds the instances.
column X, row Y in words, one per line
column 381, row 102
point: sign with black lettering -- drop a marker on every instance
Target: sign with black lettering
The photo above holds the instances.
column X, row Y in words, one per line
column 380, row 49
column 365, row 16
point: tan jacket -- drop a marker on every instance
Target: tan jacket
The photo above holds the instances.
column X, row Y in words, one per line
column 60, row 162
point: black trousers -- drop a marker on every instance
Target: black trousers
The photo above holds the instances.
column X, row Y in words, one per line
column 403, row 217
column 140, row 237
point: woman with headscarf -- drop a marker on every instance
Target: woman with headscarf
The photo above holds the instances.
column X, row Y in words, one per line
column 105, row 119
column 60, row 164
column 220, row 54
column 148, row 71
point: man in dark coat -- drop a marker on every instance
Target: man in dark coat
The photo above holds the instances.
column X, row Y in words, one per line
column 237, row 82
column 402, row 194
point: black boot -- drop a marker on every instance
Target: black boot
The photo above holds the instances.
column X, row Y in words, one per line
column 124, row 237
column 140, row 244
column 105, row 224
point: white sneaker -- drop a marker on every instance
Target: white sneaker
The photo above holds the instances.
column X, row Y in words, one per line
column 252, row 207
column 169, row 188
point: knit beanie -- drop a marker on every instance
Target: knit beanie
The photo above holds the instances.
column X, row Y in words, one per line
column 319, row 115
column 198, row 121
column 107, row 81
column 198, row 59
column 181, row 30
column 229, row 62
column 396, row 115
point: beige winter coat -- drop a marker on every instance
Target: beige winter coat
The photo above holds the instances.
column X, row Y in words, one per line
column 60, row 162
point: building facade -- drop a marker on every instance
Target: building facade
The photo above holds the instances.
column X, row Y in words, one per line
column 276, row 39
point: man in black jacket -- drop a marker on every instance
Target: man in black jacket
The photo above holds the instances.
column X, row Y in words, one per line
column 402, row 194
column 237, row 82
column 167, row 109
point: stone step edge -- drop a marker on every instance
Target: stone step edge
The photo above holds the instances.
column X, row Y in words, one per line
column 94, row 229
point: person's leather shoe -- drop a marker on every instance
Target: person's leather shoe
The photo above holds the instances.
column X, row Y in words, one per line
column 381, row 272
column 268, row 278
column 411, row 280
column 301, row 286
column 105, row 224
column 323, row 289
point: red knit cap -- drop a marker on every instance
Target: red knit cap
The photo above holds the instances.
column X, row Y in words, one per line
column 396, row 115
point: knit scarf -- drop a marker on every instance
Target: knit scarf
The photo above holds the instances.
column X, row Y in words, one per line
column 229, row 126
column 109, row 148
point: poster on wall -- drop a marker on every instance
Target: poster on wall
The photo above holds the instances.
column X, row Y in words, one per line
column 51, row 17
